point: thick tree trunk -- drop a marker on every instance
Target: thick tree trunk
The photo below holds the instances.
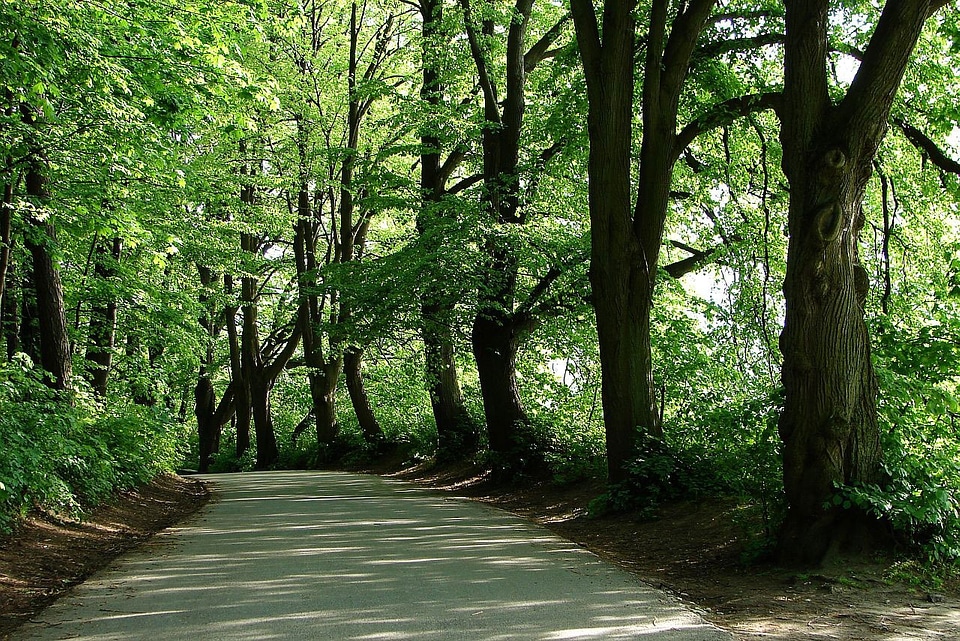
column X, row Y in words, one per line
column 626, row 248
column 495, row 327
column 267, row 451
column 622, row 304
column 323, row 391
column 495, row 350
column 353, row 373
column 615, row 251
column 829, row 423
column 103, row 320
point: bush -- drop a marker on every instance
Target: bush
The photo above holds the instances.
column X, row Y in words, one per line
column 63, row 457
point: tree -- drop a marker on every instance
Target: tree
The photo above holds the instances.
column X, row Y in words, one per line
column 456, row 432
column 503, row 318
column 829, row 422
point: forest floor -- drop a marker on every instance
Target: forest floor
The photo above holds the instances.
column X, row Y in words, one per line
column 694, row 550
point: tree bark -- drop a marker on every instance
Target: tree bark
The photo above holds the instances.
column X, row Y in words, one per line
column 103, row 319
column 495, row 349
column 51, row 313
column 625, row 246
column 829, row 424
column 353, row 373
column 495, row 327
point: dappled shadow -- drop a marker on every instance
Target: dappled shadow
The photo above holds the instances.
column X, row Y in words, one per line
column 339, row 556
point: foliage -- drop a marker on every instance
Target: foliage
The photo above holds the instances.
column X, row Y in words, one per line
column 67, row 458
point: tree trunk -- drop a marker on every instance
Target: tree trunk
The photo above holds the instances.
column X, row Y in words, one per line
column 211, row 417
column 829, row 422
column 625, row 248
column 495, row 328
column 323, row 391
column 205, row 404
column 353, row 373
column 615, row 251
column 457, row 434
column 103, row 320
column 54, row 341
column 267, row 451
column 6, row 237
column 495, row 350
column 11, row 313
column 241, row 386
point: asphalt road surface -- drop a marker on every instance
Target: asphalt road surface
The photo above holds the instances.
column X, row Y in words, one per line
column 330, row 556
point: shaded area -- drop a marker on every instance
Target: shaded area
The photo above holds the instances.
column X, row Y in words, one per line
column 339, row 556
column 47, row 555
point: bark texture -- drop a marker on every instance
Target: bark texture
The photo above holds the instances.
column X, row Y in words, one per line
column 829, row 423
column 55, row 355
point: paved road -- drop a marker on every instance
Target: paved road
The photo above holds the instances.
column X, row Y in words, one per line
column 330, row 556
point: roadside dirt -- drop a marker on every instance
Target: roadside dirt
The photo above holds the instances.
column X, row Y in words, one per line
column 698, row 551
column 46, row 555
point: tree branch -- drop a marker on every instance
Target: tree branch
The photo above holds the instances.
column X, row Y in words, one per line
column 866, row 107
column 922, row 142
column 697, row 259
column 715, row 49
column 680, row 44
column 541, row 50
column 724, row 113
column 588, row 42
column 483, row 77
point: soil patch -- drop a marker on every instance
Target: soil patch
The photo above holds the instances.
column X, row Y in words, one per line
column 46, row 554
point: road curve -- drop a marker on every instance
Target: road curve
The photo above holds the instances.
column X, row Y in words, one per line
column 335, row 556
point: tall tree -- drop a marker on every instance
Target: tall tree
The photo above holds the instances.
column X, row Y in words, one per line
column 626, row 239
column 829, row 422
column 55, row 356
column 456, row 431
column 502, row 320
